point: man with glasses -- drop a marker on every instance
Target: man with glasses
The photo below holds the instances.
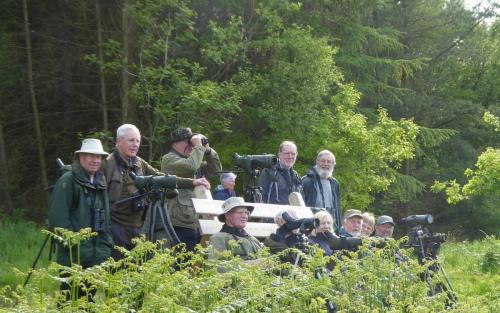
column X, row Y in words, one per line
column 233, row 237
column 279, row 182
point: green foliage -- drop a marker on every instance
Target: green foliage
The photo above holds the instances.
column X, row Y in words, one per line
column 250, row 74
column 150, row 279
column 364, row 151
column 170, row 86
column 146, row 281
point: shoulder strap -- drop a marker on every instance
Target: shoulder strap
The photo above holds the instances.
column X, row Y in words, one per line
column 271, row 174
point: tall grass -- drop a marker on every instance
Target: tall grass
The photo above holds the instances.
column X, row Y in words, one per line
column 20, row 242
column 151, row 281
column 474, row 271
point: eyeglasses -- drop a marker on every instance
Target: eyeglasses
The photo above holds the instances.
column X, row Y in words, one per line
column 241, row 212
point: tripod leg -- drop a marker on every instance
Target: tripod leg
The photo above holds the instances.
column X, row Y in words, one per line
column 167, row 226
column 36, row 260
column 152, row 222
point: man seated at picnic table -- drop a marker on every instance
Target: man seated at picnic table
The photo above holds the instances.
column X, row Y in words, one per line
column 233, row 237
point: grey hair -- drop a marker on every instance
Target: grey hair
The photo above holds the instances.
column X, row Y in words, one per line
column 287, row 143
column 227, row 176
column 368, row 217
column 122, row 130
column 326, row 152
column 291, row 211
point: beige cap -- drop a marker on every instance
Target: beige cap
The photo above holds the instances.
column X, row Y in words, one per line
column 231, row 203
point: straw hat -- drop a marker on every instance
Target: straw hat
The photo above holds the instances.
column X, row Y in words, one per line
column 92, row 146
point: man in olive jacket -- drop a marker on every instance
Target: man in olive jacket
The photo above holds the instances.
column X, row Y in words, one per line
column 127, row 217
column 185, row 159
column 79, row 200
column 233, row 237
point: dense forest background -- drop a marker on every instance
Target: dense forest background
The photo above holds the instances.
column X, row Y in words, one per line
column 396, row 89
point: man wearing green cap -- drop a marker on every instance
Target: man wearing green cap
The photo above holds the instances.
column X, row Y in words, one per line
column 185, row 159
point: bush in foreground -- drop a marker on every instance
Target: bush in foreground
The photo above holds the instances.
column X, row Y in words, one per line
column 154, row 280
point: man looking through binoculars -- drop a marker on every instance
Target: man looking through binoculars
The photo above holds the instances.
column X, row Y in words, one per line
column 185, row 159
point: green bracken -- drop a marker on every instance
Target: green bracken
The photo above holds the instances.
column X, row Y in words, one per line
column 154, row 280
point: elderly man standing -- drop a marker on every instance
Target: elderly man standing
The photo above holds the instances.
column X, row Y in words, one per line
column 279, row 182
column 235, row 214
column 384, row 227
column 185, row 159
column 321, row 189
column 127, row 216
column 79, row 200
column 352, row 224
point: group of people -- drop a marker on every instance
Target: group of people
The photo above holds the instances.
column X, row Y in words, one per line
column 236, row 213
column 99, row 193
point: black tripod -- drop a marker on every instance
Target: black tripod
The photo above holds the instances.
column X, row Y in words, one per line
column 253, row 193
column 157, row 223
column 427, row 251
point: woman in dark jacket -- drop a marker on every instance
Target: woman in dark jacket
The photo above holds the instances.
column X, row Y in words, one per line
column 225, row 190
column 323, row 232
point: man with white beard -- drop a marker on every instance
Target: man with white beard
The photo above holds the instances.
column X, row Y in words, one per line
column 352, row 224
column 321, row 189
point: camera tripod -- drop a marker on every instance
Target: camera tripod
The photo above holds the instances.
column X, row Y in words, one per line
column 427, row 251
column 253, row 193
column 157, row 223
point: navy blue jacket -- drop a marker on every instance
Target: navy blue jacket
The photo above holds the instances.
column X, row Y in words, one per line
column 311, row 183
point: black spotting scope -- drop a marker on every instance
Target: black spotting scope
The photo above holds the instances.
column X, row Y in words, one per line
column 251, row 162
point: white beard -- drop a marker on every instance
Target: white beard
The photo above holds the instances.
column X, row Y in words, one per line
column 325, row 174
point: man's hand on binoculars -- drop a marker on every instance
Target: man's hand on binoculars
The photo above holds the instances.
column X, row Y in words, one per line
column 196, row 140
column 201, row 182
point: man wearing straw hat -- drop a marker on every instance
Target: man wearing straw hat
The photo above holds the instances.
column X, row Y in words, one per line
column 235, row 215
column 79, row 200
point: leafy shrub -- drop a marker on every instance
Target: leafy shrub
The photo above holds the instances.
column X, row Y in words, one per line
column 150, row 279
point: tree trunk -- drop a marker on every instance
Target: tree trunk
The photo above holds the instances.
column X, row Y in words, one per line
column 36, row 116
column 104, row 105
column 125, row 83
column 4, row 177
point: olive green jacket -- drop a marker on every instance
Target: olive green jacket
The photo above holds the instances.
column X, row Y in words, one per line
column 244, row 247
column 73, row 204
column 121, row 186
column 181, row 208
